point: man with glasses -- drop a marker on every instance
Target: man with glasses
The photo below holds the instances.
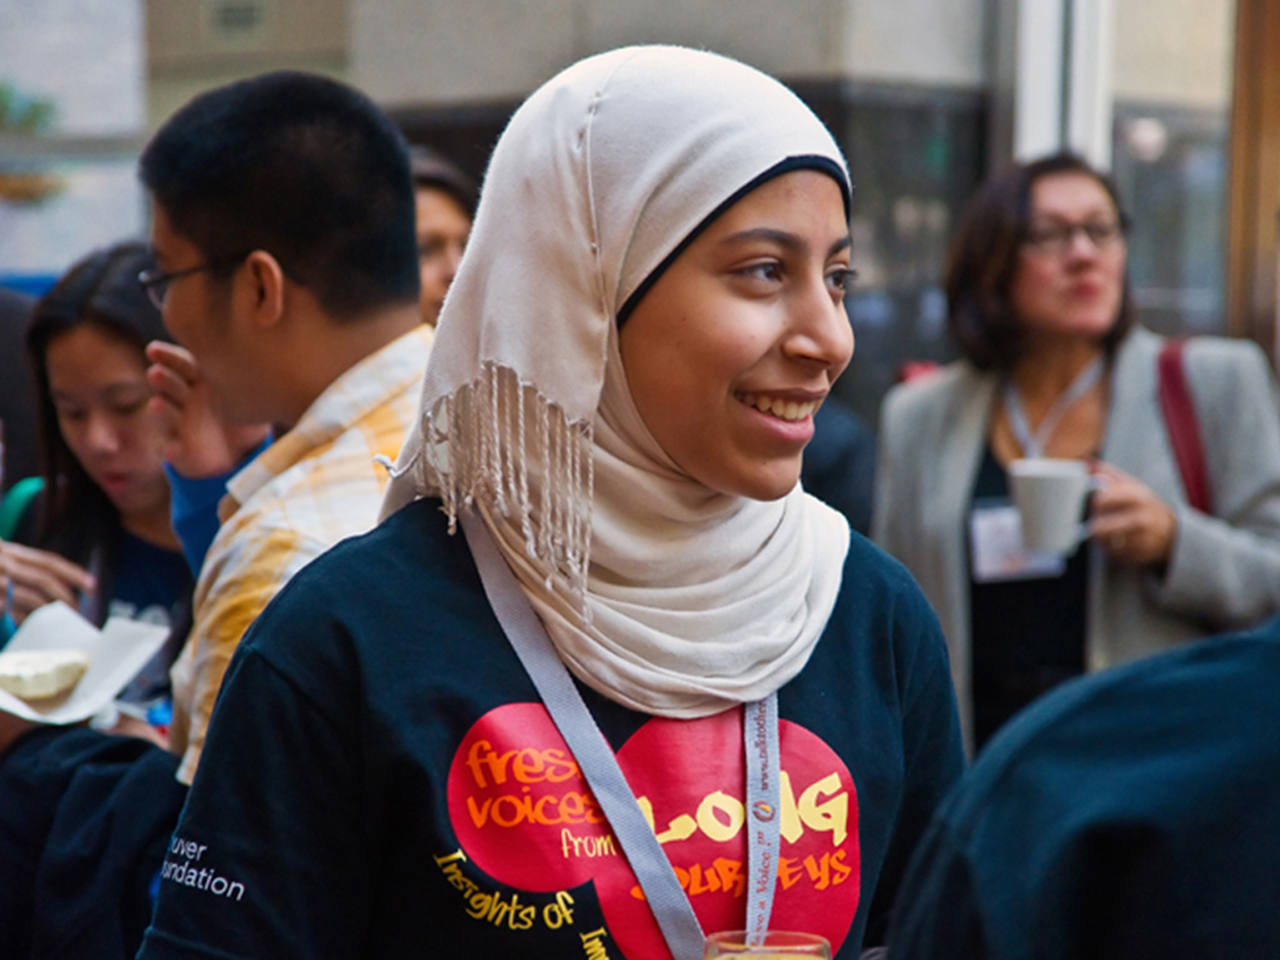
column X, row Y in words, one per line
column 283, row 231
column 287, row 266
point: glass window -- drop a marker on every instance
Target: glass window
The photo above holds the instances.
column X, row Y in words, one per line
column 916, row 155
column 1170, row 156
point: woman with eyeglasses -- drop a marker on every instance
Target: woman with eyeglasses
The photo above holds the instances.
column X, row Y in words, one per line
column 99, row 536
column 1053, row 366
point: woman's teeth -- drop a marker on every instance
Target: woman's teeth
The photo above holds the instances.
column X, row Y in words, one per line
column 782, row 409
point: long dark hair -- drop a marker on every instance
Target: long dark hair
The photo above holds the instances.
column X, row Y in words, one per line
column 77, row 519
column 984, row 256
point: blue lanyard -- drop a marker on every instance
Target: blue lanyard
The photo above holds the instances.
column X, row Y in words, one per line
column 1033, row 443
column 671, row 908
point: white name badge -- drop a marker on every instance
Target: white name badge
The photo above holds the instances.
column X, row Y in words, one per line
column 997, row 553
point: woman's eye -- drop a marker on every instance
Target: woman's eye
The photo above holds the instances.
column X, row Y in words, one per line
column 842, row 279
column 770, row 271
column 129, row 408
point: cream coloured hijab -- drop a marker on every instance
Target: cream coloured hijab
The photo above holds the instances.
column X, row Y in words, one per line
column 658, row 592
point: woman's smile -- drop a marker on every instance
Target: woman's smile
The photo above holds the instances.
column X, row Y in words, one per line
column 780, row 407
column 740, row 339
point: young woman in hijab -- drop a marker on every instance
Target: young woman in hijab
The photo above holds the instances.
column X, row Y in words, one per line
column 560, row 732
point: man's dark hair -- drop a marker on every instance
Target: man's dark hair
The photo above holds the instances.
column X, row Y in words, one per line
column 434, row 171
column 984, row 257
column 303, row 167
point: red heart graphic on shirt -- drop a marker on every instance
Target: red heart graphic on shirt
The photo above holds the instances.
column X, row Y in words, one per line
column 525, row 816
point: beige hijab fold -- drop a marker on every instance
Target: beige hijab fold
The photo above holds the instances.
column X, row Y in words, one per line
column 658, row 592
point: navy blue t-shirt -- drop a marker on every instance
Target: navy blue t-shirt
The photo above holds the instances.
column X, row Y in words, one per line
column 381, row 780
column 150, row 581
column 151, row 584
column 1132, row 814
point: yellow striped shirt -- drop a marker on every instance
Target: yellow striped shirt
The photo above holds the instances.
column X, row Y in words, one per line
column 316, row 485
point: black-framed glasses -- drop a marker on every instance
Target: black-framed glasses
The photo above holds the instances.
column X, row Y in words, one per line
column 156, row 282
column 1054, row 238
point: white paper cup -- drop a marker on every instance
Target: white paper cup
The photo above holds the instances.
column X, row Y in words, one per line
column 1050, row 496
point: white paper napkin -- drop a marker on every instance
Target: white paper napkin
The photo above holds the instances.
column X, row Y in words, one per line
column 117, row 652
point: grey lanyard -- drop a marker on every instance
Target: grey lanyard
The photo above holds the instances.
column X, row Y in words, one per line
column 670, row 906
column 1033, row 444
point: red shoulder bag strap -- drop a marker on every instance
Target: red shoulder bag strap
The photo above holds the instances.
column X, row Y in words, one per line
column 1184, row 429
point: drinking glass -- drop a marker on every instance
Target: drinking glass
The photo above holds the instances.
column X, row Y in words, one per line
column 776, row 945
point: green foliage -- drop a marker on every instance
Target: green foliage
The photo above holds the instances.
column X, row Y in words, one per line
column 25, row 115
column 20, row 113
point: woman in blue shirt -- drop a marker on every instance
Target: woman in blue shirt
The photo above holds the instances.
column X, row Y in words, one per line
column 99, row 535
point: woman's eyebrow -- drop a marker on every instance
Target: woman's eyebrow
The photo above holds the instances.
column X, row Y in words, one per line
column 1056, row 217
column 788, row 241
column 126, row 388
column 110, row 392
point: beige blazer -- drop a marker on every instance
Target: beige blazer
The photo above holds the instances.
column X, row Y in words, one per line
column 1225, row 569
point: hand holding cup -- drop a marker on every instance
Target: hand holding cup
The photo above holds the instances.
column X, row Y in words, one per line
column 1130, row 522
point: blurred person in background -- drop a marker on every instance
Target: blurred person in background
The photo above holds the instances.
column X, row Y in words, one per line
column 283, row 238
column 17, row 408
column 1054, row 366
column 445, row 202
column 98, row 536
column 840, row 463
column 1127, row 815
column 315, row 330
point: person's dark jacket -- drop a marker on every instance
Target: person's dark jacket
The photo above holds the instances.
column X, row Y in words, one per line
column 840, row 463
column 17, row 390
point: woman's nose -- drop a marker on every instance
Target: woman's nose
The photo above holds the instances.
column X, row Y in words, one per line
column 821, row 332
column 101, row 435
column 1080, row 245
